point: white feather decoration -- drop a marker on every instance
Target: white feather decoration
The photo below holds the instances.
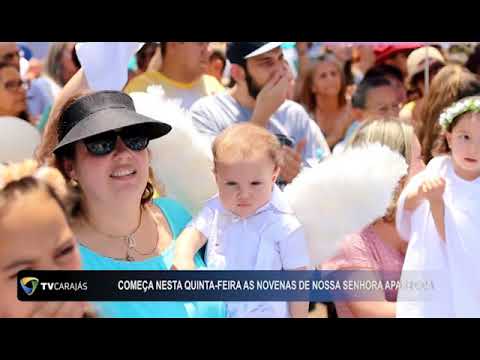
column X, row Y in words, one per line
column 182, row 160
column 343, row 194
column 18, row 139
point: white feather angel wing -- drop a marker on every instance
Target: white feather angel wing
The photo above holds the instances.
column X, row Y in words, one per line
column 332, row 199
column 343, row 194
column 181, row 161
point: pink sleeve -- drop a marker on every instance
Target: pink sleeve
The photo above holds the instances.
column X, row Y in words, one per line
column 354, row 253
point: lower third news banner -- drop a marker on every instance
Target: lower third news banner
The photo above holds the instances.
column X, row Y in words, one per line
column 212, row 285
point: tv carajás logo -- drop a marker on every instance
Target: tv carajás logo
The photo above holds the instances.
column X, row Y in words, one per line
column 30, row 284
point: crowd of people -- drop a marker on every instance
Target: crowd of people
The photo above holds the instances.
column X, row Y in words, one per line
column 88, row 197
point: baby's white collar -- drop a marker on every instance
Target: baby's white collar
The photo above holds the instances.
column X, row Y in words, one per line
column 278, row 202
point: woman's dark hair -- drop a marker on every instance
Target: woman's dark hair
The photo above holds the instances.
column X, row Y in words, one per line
column 163, row 48
column 347, row 72
column 359, row 98
column 24, row 116
column 473, row 62
column 145, row 54
column 53, row 62
column 75, row 59
column 384, row 70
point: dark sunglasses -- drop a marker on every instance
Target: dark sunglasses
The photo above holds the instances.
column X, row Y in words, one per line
column 103, row 144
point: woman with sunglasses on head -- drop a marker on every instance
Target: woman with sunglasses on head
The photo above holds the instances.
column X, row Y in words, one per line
column 13, row 93
column 101, row 146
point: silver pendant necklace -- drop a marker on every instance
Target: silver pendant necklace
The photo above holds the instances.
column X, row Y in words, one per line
column 132, row 246
column 130, row 239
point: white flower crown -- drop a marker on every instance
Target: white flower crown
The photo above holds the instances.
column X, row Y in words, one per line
column 459, row 108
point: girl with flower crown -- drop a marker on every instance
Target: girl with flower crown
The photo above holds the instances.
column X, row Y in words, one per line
column 435, row 213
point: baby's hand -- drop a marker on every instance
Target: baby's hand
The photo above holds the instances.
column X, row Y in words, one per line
column 433, row 189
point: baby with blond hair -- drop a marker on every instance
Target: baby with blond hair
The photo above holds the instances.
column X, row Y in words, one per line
column 249, row 225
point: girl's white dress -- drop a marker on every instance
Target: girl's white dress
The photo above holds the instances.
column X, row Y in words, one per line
column 441, row 278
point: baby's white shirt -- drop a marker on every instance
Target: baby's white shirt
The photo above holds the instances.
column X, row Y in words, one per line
column 271, row 239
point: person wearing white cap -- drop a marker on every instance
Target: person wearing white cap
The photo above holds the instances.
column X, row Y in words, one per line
column 259, row 96
column 182, row 76
column 422, row 64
